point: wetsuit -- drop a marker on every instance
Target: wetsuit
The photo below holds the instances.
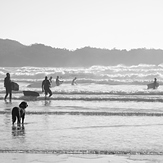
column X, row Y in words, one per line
column 46, row 87
column 7, row 85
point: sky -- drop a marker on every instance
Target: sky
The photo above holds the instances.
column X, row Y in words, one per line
column 73, row 24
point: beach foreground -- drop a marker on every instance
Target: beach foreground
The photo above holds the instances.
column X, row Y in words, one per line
column 64, row 158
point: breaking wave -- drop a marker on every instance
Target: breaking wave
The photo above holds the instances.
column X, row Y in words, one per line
column 93, row 98
column 120, row 74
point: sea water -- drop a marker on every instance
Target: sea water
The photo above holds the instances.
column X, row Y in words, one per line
column 109, row 111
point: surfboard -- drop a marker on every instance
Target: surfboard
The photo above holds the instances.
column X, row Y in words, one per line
column 31, row 93
column 14, row 86
column 151, row 85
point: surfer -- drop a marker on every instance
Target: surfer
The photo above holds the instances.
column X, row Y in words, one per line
column 155, row 83
column 74, row 81
column 58, row 81
column 46, row 87
column 7, row 85
column 50, row 80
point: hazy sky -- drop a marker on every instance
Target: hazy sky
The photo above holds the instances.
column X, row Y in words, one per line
column 71, row 24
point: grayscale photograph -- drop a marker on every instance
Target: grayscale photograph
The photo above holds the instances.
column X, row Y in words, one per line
column 81, row 81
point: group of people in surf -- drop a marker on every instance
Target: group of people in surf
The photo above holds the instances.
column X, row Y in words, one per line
column 47, row 84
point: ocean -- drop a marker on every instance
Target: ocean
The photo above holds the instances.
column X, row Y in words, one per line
column 109, row 111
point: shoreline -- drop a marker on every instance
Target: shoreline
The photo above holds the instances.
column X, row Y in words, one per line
column 78, row 158
column 83, row 152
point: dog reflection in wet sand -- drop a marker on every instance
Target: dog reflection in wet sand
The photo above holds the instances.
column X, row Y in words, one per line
column 18, row 113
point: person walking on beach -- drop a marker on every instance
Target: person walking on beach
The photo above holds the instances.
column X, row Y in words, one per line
column 74, row 81
column 58, row 81
column 46, row 87
column 8, row 86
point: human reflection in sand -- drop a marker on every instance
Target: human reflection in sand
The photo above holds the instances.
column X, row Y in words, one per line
column 47, row 103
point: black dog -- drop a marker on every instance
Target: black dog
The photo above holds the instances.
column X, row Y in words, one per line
column 19, row 113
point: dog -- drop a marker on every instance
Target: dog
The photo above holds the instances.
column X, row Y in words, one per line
column 19, row 113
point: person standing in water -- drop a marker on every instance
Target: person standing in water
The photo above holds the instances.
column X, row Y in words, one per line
column 46, row 87
column 50, row 80
column 8, row 86
column 155, row 83
column 58, row 81
column 74, row 81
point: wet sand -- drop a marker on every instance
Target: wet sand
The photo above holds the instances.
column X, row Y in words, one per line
column 51, row 158
column 50, row 132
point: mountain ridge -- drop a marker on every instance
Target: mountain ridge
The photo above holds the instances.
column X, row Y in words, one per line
column 15, row 54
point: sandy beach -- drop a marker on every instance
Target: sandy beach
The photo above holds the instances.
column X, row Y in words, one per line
column 77, row 132
column 51, row 158
column 87, row 123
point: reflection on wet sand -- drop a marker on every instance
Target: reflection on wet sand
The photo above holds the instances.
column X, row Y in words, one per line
column 18, row 131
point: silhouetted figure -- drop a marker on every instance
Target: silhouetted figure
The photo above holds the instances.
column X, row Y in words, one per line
column 74, row 81
column 155, row 83
column 8, row 86
column 58, row 81
column 46, row 87
column 50, row 80
column 19, row 113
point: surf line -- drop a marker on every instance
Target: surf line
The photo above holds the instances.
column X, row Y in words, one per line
column 101, row 152
column 91, row 113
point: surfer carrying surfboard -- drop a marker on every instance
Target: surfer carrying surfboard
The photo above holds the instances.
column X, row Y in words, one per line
column 7, row 85
column 153, row 85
